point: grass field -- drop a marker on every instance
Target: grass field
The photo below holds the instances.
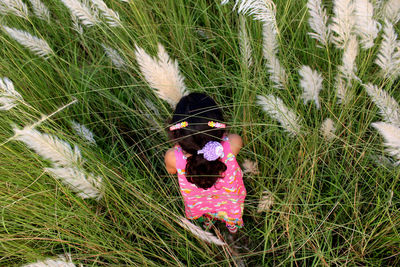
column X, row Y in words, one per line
column 336, row 202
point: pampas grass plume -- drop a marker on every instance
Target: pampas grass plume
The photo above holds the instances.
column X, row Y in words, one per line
column 391, row 135
column 111, row 16
column 81, row 11
column 349, row 67
column 262, row 10
column 162, row 74
column 16, row 7
column 199, row 233
column 328, row 129
column 270, row 49
column 62, row 261
column 389, row 108
column 318, row 21
column 8, row 95
column 275, row 107
column 389, row 52
column 86, row 186
column 366, row 27
column 76, row 25
column 311, row 83
column 244, row 42
column 38, row 46
column 391, row 11
column 83, row 132
column 49, row 147
column 115, row 57
column 250, row 167
column 40, row 10
column 266, row 202
column 343, row 22
column 341, row 90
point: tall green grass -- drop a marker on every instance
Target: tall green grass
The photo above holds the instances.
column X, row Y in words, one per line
column 333, row 202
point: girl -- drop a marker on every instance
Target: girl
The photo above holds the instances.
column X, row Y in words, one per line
column 204, row 157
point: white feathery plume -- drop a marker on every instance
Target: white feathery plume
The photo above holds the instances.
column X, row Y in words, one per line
column 342, row 23
column 82, row 12
column 266, row 202
column 391, row 11
column 328, row 129
column 270, row 42
column 38, row 46
column 83, row 132
column 389, row 108
column 275, row 107
column 40, row 10
column 391, row 135
column 86, row 186
column 76, row 25
column 49, row 147
column 162, row 74
column 62, row 261
column 199, row 233
column 115, row 57
column 270, row 48
column 365, row 26
column 8, row 95
column 277, row 72
column 349, row 67
column 16, row 7
column 341, row 90
column 244, row 42
column 311, row 83
column 250, row 167
column 389, row 52
column 262, row 10
column 318, row 21
column 111, row 16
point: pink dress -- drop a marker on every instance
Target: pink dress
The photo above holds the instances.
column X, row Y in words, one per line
column 224, row 200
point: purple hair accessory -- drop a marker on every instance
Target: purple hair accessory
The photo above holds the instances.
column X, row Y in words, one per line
column 212, row 151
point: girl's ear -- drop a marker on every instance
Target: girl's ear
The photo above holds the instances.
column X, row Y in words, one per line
column 236, row 143
column 170, row 161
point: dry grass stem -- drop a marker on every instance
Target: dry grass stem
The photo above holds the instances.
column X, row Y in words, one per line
column 199, row 233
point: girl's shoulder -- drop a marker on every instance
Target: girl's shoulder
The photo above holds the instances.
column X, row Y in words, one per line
column 170, row 160
column 235, row 142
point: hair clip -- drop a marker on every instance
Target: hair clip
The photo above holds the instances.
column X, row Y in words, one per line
column 185, row 124
column 180, row 125
column 216, row 124
column 213, row 150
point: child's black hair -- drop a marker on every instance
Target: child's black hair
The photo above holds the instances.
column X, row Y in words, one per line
column 198, row 109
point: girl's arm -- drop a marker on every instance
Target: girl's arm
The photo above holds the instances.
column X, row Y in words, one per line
column 170, row 161
column 236, row 143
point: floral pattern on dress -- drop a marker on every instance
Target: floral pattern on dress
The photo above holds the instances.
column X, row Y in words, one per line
column 223, row 201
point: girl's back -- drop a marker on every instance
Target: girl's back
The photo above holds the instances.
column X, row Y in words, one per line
column 210, row 178
column 224, row 200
